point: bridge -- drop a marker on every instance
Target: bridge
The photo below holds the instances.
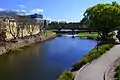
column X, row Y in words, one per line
column 72, row 31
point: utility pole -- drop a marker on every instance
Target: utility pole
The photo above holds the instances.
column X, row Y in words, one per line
column 97, row 39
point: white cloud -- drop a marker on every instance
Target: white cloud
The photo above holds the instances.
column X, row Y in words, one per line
column 19, row 10
column 36, row 10
column 16, row 10
column 60, row 20
column 21, row 6
column 1, row 9
column 23, row 11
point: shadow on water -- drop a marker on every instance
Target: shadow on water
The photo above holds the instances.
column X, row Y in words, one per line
column 44, row 61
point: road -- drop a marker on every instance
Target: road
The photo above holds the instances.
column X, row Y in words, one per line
column 96, row 70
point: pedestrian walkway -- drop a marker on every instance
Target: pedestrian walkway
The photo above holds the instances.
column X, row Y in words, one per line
column 96, row 70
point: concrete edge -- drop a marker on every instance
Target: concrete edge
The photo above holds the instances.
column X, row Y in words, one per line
column 81, row 69
column 105, row 77
column 85, row 66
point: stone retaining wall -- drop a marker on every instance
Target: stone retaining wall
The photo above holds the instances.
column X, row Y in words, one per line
column 24, row 42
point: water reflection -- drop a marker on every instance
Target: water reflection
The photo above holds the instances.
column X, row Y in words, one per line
column 44, row 61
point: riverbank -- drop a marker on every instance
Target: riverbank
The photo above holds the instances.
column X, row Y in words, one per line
column 92, row 55
column 26, row 41
column 100, row 67
column 93, row 36
column 87, row 34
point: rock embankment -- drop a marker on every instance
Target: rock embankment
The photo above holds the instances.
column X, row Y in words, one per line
column 24, row 42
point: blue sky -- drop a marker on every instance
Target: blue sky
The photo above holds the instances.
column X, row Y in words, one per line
column 65, row 10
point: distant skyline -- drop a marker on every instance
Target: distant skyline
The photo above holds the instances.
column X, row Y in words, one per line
column 56, row 10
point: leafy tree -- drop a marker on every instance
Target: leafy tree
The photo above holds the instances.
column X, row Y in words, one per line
column 64, row 25
column 102, row 17
column 54, row 25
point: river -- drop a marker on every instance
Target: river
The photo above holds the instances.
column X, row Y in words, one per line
column 44, row 61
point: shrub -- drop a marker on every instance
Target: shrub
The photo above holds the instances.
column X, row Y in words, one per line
column 78, row 65
column 67, row 75
column 110, row 40
column 117, row 75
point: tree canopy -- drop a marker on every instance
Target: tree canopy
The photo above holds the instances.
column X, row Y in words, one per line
column 102, row 17
column 64, row 25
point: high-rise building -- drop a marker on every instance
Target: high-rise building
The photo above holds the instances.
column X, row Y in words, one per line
column 36, row 16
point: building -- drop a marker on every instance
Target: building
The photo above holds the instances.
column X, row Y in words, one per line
column 39, row 17
column 36, row 16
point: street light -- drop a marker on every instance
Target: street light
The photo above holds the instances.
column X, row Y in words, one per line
column 97, row 39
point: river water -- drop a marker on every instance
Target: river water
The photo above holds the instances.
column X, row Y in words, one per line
column 44, row 61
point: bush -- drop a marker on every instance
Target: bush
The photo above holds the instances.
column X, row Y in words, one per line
column 67, row 75
column 78, row 65
column 117, row 75
column 110, row 40
column 93, row 54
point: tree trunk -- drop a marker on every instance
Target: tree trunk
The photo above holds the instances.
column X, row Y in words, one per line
column 104, row 35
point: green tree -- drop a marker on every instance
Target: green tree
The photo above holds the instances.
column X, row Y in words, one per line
column 64, row 25
column 102, row 17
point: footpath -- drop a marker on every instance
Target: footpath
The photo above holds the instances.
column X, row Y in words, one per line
column 97, row 69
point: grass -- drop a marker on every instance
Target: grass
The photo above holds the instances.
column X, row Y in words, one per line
column 66, row 75
column 87, row 35
column 48, row 32
column 93, row 54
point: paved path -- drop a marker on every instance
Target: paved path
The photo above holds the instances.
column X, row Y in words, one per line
column 96, row 70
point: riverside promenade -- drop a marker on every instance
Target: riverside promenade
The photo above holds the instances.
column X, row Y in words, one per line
column 97, row 69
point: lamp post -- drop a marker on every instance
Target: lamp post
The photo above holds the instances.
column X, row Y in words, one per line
column 97, row 39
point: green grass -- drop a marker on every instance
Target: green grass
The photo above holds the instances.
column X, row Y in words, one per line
column 87, row 35
column 66, row 75
column 48, row 32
